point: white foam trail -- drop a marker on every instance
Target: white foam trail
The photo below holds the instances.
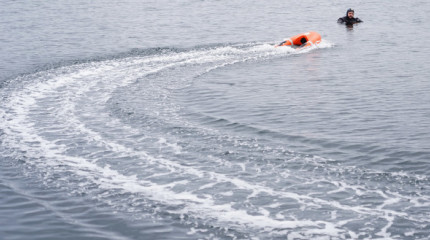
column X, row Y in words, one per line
column 97, row 81
column 77, row 85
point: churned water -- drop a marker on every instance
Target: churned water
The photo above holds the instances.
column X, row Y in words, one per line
column 180, row 120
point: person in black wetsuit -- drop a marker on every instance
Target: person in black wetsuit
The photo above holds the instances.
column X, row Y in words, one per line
column 349, row 18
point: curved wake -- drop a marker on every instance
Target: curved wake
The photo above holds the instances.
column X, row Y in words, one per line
column 111, row 127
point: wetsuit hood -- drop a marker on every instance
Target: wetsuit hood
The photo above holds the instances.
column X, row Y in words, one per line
column 347, row 11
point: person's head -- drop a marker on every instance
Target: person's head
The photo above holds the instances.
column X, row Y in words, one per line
column 350, row 13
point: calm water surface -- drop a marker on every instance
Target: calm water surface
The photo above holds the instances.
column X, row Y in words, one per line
column 180, row 120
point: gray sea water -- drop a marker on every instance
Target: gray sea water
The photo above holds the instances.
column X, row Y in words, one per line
column 180, row 120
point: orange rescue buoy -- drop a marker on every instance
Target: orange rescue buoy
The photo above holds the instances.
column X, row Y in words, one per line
column 302, row 40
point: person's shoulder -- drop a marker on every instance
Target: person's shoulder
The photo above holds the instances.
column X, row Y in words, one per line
column 341, row 19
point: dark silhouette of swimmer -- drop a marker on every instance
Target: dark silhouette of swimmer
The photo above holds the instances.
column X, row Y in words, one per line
column 349, row 18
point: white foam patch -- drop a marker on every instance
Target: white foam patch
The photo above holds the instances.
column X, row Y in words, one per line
column 57, row 95
column 68, row 87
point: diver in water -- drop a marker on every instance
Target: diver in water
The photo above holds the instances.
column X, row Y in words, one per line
column 349, row 18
